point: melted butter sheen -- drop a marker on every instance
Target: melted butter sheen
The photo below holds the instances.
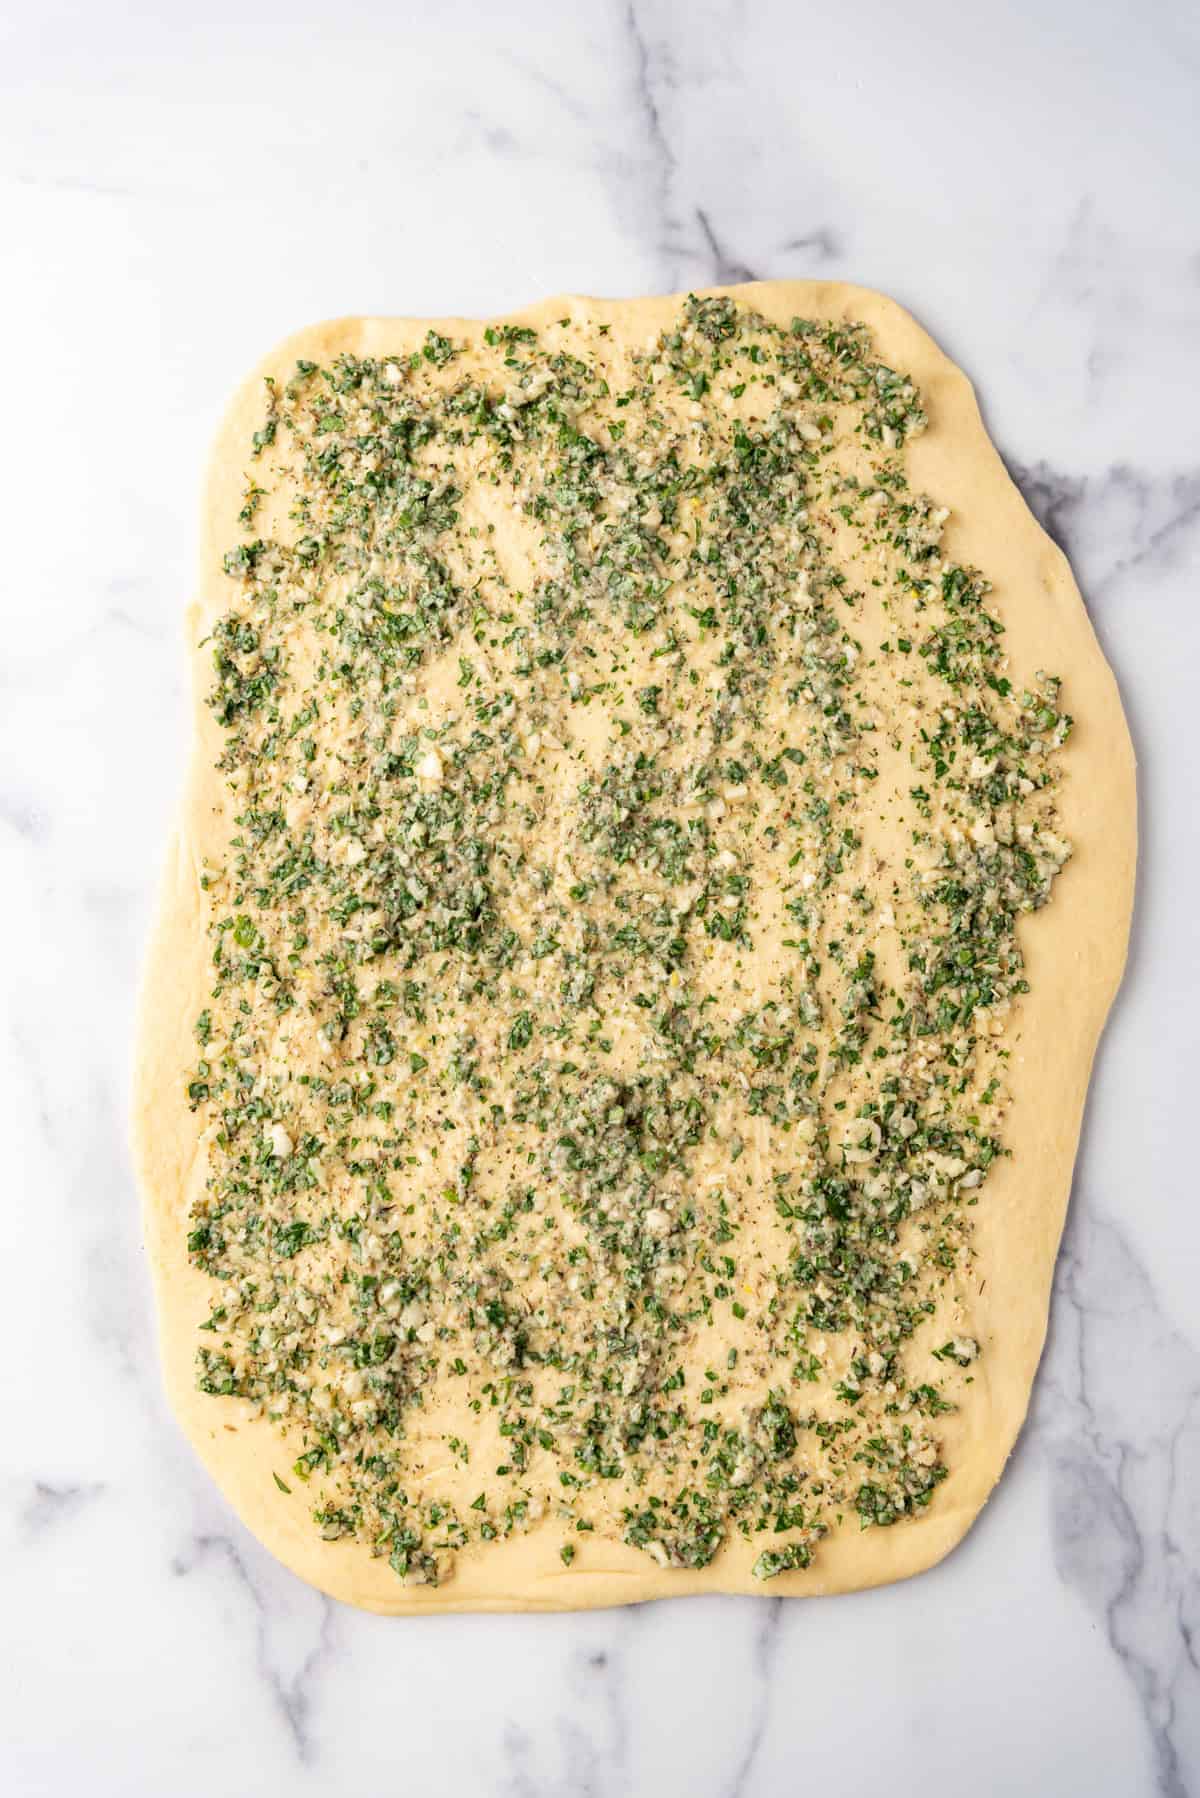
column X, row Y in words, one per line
column 614, row 954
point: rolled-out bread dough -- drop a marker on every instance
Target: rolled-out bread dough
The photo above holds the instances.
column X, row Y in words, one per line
column 990, row 1301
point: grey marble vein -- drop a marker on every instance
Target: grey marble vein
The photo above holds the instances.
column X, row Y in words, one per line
column 1118, row 1415
column 766, row 1642
column 727, row 270
column 658, row 166
column 1133, row 520
column 289, row 1669
column 820, row 245
column 22, row 816
column 52, row 1503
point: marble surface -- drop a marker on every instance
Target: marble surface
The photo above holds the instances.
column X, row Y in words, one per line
column 178, row 187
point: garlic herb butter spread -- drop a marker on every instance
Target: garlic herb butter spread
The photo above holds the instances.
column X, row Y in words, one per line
column 613, row 971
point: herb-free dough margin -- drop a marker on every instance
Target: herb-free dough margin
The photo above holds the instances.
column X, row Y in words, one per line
column 1075, row 955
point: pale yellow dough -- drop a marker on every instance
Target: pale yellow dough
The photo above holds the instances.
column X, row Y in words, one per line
column 1075, row 951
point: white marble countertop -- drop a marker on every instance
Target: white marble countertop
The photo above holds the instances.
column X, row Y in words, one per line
column 178, row 187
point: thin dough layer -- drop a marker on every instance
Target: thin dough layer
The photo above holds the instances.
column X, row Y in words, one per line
column 657, row 807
